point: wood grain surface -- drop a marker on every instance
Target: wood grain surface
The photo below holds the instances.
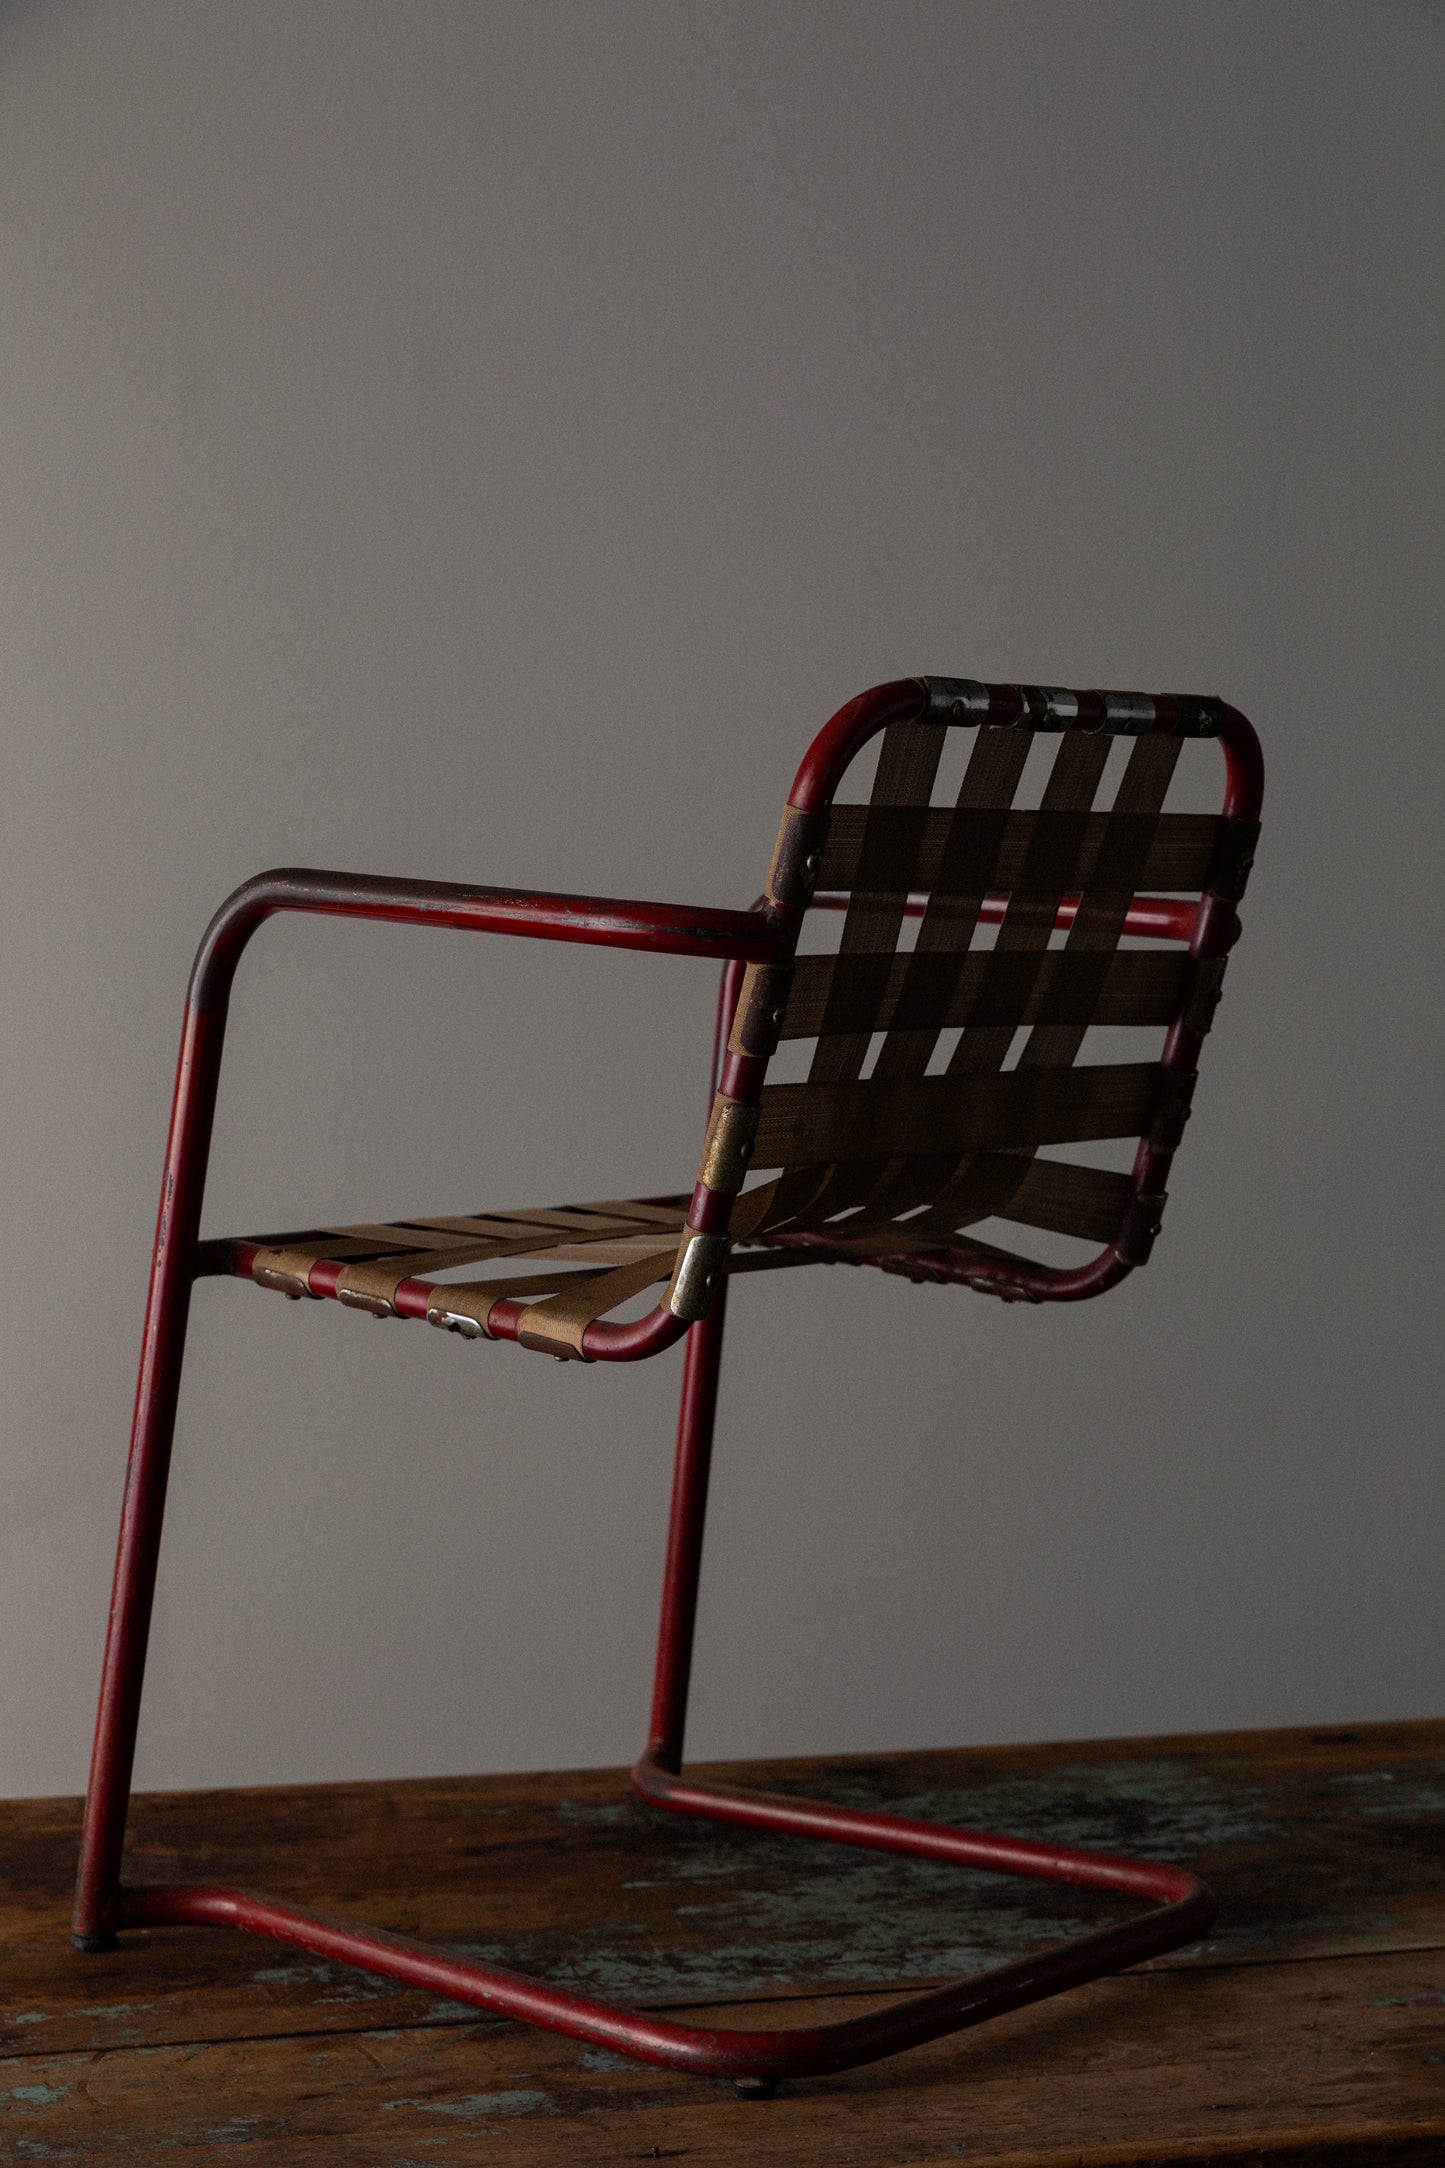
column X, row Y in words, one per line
column 1310, row 2027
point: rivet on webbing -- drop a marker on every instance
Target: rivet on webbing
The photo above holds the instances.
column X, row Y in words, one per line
column 1233, row 858
column 1006, row 1290
column 797, row 857
column 466, row 1328
column 1142, row 1222
column 729, row 1146
column 374, row 1305
column 762, row 1008
column 1171, row 1108
column 1206, row 990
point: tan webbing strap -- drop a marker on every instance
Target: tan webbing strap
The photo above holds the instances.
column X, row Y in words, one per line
column 510, row 1226
column 318, row 1244
column 372, row 1287
column 617, row 1236
column 600, row 1252
column 559, row 1219
column 289, row 1268
column 397, row 1236
column 471, row 1301
column 556, row 1325
column 663, row 1217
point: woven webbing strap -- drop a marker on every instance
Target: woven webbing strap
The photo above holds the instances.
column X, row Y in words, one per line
column 906, row 1156
column 614, row 1250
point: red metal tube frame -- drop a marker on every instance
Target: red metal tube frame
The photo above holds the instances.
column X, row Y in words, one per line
column 178, row 1259
column 1158, row 918
column 1182, row 1906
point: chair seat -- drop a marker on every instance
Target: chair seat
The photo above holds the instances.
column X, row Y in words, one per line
column 602, row 1254
column 580, row 1261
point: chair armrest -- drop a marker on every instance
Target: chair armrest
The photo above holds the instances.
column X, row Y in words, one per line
column 666, row 929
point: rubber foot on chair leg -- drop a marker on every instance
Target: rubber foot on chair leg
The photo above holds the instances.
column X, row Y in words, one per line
column 96, row 1945
column 756, row 2088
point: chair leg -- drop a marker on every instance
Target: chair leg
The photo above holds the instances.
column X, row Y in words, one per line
column 697, row 1411
column 168, row 1304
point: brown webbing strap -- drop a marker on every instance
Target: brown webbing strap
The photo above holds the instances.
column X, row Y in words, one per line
column 927, row 993
column 984, row 1191
column 1179, row 858
column 1104, row 905
column 858, row 978
column 980, row 1188
column 880, row 1120
column 1064, row 1199
column 1050, row 872
column 949, row 1151
column 1051, row 1193
column 907, row 764
column 968, row 869
column 869, row 987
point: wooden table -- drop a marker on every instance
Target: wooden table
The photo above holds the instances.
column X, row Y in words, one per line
column 1309, row 2029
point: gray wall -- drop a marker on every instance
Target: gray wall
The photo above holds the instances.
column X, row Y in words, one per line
column 485, row 441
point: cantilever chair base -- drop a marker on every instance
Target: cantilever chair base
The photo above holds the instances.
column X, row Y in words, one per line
column 892, row 1169
column 756, row 2061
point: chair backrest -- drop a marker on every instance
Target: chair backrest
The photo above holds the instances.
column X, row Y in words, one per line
column 945, row 1072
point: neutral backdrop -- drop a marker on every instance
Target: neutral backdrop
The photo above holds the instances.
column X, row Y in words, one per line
column 485, row 441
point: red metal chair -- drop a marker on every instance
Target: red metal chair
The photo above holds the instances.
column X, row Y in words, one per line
column 1027, row 920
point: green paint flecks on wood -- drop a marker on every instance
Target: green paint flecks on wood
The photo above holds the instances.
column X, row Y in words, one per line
column 39, row 2096
column 516, row 2100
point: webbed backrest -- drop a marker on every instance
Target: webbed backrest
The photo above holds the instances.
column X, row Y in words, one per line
column 945, row 1086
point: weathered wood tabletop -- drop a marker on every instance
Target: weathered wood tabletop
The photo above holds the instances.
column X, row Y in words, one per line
column 1309, row 2028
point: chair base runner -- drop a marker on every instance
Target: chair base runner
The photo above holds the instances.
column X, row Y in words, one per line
column 754, row 2061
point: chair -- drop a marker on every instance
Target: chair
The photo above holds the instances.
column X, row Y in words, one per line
column 965, row 928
